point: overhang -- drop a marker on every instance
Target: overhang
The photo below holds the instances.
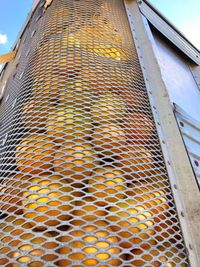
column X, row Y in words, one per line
column 169, row 30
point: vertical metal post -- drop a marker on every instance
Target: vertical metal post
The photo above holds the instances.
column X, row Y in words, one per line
column 180, row 172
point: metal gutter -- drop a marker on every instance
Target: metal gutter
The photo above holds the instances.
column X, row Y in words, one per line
column 169, row 30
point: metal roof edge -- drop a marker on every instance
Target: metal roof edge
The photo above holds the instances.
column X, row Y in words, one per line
column 29, row 15
column 166, row 28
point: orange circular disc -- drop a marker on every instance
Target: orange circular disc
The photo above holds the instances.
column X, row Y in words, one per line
column 47, row 201
column 107, row 186
column 95, row 245
column 76, row 161
column 34, row 154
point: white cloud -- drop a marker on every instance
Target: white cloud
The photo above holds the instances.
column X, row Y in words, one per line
column 3, row 38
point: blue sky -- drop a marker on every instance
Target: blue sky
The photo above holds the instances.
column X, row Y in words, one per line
column 12, row 17
column 184, row 14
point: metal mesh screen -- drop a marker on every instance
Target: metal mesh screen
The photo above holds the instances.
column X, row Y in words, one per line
column 83, row 180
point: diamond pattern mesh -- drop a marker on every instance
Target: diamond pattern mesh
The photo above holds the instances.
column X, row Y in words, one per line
column 83, row 180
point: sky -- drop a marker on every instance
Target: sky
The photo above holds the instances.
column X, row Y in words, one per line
column 12, row 16
column 184, row 14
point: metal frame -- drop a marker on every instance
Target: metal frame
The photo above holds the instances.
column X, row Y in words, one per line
column 169, row 31
column 190, row 130
column 196, row 74
column 183, row 182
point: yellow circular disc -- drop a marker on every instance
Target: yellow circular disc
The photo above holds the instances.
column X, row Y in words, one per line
column 133, row 216
column 34, row 154
column 25, row 248
column 107, row 186
column 34, row 114
column 100, row 40
column 96, row 245
column 68, row 123
column 87, row 210
column 76, row 161
column 109, row 108
column 47, row 200
column 139, row 128
column 136, row 162
column 109, row 139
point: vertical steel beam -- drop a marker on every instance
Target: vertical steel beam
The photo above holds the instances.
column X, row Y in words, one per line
column 183, row 183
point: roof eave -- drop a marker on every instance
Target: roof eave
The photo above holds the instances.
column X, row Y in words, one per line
column 167, row 29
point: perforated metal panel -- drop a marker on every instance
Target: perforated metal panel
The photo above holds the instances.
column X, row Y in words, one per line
column 83, row 178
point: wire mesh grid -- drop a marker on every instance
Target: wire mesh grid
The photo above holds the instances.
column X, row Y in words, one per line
column 83, row 180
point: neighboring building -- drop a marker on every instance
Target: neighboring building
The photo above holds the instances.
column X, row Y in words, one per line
column 100, row 139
